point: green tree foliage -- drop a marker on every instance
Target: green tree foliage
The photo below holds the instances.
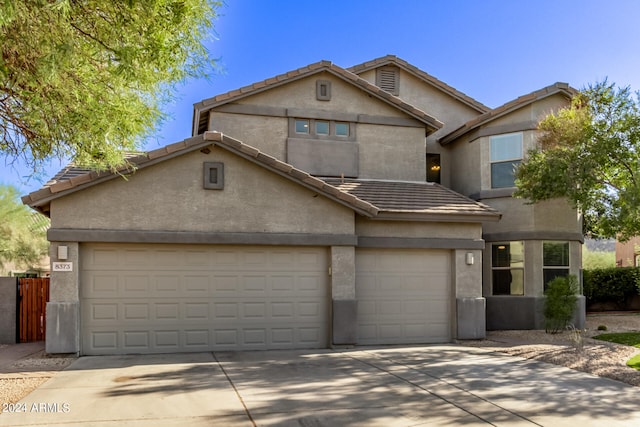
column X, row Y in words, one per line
column 87, row 79
column 23, row 239
column 560, row 303
column 590, row 154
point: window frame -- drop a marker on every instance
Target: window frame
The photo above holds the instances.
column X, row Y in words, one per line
column 511, row 268
column 548, row 268
column 313, row 133
column 513, row 161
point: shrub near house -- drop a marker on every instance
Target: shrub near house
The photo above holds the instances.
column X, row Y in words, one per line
column 612, row 288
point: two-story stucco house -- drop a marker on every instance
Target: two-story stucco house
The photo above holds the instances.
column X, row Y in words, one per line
column 322, row 207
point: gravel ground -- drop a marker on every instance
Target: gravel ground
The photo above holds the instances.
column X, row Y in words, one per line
column 27, row 374
column 575, row 351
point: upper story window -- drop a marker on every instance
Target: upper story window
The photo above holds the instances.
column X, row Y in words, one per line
column 433, row 168
column 507, row 268
column 315, row 128
column 506, row 155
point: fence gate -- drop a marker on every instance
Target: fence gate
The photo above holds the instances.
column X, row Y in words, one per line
column 33, row 295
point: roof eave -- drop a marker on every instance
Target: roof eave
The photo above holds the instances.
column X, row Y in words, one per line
column 206, row 105
column 562, row 88
column 422, row 75
column 438, row 217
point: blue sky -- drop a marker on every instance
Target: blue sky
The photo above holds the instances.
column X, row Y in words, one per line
column 492, row 50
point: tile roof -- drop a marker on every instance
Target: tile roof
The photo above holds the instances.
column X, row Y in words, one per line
column 422, row 199
column 425, row 77
column 367, row 197
column 322, row 66
column 522, row 101
column 72, row 179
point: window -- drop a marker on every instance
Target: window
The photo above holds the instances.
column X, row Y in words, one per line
column 342, row 129
column 433, row 168
column 388, row 79
column 302, row 126
column 555, row 260
column 507, row 268
column 213, row 175
column 316, row 128
column 506, row 155
column 322, row 128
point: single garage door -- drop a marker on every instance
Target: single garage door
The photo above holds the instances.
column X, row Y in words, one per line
column 403, row 296
column 179, row 298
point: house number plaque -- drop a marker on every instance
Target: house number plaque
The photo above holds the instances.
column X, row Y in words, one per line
column 62, row 266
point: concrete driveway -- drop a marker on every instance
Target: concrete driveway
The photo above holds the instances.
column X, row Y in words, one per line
column 439, row 385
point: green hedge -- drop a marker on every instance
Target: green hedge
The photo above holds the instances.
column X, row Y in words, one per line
column 611, row 284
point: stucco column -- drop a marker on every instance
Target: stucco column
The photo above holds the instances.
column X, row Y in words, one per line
column 343, row 295
column 470, row 304
column 63, row 328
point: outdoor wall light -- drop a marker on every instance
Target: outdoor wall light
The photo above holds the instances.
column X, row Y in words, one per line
column 470, row 258
column 63, row 252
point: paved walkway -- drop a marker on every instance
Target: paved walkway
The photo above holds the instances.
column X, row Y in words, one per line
column 440, row 385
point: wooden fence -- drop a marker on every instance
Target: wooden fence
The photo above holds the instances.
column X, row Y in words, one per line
column 33, row 295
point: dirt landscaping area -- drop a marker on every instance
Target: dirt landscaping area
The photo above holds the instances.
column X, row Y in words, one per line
column 574, row 349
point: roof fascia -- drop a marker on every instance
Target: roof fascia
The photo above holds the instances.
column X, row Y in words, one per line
column 323, row 66
column 423, row 76
column 208, row 138
column 438, row 217
column 463, row 130
column 285, row 170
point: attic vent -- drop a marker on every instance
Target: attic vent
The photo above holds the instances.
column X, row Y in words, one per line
column 388, row 79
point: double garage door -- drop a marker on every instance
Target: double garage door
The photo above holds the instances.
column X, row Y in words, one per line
column 141, row 298
column 178, row 298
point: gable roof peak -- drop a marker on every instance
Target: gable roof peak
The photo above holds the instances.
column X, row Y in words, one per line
column 509, row 107
column 422, row 75
column 203, row 107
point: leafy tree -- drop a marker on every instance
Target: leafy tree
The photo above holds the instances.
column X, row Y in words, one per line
column 87, row 79
column 23, row 239
column 590, row 154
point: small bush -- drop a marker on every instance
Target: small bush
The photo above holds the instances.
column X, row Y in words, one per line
column 560, row 303
column 611, row 285
column 602, row 327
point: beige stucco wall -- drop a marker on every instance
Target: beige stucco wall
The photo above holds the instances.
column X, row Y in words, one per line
column 550, row 215
column 267, row 134
column 465, row 167
column 391, row 152
column 448, row 110
column 345, row 97
column 451, row 112
column 409, row 229
column 385, row 151
column 169, row 196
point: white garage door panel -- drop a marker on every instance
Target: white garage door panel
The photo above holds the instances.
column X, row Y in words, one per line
column 157, row 298
column 403, row 296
